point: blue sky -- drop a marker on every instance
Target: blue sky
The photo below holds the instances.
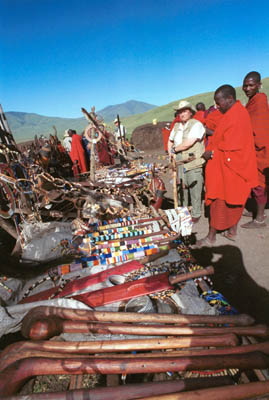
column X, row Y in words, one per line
column 57, row 56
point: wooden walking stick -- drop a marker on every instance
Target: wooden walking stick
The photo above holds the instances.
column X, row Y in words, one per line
column 42, row 312
column 174, row 166
column 122, row 348
column 14, row 376
column 92, row 161
column 233, row 392
column 131, row 391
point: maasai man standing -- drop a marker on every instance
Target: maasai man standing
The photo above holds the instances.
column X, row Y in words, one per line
column 77, row 153
column 258, row 109
column 231, row 169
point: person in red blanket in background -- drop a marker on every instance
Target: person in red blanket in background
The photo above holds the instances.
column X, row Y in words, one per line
column 103, row 149
column 212, row 118
column 77, row 153
column 258, row 110
column 200, row 113
column 231, row 169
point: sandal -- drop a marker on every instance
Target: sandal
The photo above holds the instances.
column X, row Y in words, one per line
column 205, row 242
column 254, row 224
column 229, row 236
column 247, row 213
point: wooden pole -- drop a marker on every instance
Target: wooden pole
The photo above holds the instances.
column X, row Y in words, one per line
column 175, row 181
column 92, row 167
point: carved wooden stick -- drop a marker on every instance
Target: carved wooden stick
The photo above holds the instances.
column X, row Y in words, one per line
column 132, row 391
column 45, row 329
column 39, row 313
column 13, row 354
column 13, row 377
column 108, row 346
column 238, row 392
column 175, row 181
column 191, row 275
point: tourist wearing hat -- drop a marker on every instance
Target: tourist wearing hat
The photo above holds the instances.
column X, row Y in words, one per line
column 119, row 133
column 186, row 142
column 67, row 140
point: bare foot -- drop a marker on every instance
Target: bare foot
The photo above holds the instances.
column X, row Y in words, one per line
column 254, row 224
column 205, row 242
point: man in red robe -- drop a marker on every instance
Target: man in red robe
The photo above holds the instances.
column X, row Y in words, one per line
column 77, row 153
column 258, row 109
column 200, row 113
column 231, row 170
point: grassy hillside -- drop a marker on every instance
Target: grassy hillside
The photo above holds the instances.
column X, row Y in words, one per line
column 166, row 112
column 24, row 126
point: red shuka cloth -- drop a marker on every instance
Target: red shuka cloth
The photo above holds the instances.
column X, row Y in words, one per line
column 77, row 152
column 103, row 151
column 166, row 132
column 223, row 216
column 200, row 116
column 232, row 171
column 212, row 119
column 258, row 110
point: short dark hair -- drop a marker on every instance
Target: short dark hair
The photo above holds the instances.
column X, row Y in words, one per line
column 256, row 76
column 226, row 91
column 200, row 106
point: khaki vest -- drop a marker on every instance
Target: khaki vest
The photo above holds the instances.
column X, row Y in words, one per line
column 196, row 150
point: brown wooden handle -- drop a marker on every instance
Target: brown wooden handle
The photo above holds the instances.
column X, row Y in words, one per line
column 45, row 329
column 13, row 377
column 111, row 346
column 42, row 312
column 191, row 275
column 134, row 391
column 231, row 392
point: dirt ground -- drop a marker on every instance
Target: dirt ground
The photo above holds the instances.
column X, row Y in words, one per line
column 241, row 267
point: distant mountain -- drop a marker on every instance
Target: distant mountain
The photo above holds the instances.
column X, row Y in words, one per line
column 25, row 126
column 131, row 107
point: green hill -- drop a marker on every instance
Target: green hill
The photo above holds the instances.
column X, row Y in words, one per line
column 166, row 112
column 24, row 126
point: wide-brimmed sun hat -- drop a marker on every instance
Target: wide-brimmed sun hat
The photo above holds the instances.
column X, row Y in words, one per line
column 184, row 104
column 66, row 133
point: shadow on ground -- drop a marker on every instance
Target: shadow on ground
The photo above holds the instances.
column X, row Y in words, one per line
column 233, row 282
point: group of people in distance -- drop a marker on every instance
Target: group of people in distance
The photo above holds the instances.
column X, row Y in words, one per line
column 79, row 146
column 228, row 146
